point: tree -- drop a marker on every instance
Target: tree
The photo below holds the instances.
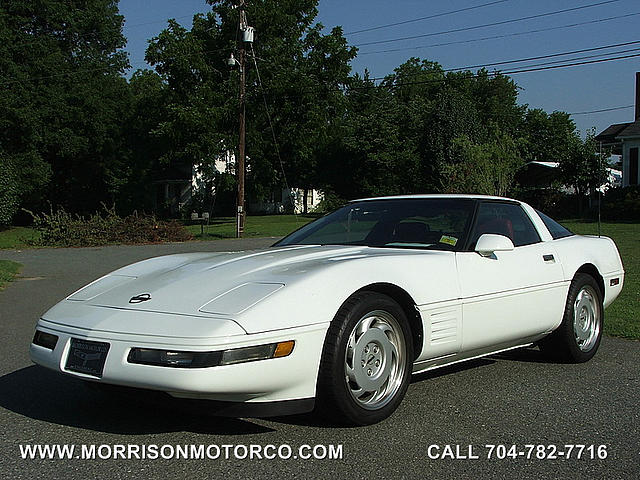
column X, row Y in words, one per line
column 144, row 147
column 369, row 155
column 62, row 98
column 548, row 137
column 583, row 168
column 484, row 168
column 302, row 71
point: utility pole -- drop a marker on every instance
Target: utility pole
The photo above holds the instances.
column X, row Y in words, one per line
column 240, row 163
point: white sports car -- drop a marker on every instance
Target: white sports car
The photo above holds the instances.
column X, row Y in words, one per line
column 339, row 314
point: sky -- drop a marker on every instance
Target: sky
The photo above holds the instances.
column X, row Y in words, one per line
column 575, row 89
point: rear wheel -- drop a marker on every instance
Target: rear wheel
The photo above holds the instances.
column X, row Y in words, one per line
column 578, row 337
column 366, row 361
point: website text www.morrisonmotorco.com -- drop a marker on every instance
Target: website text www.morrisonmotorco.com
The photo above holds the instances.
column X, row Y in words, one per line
column 187, row 452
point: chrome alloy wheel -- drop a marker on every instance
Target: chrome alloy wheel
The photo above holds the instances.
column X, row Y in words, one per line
column 586, row 318
column 374, row 359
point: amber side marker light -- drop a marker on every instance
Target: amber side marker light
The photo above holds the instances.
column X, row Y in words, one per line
column 283, row 349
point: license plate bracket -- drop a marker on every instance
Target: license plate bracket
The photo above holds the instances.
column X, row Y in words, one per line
column 87, row 357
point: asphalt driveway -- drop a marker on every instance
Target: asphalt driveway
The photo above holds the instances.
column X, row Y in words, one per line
column 516, row 399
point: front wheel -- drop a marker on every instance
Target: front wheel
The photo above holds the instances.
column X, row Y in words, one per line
column 366, row 362
column 578, row 337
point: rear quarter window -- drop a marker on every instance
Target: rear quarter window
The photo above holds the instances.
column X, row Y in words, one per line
column 555, row 229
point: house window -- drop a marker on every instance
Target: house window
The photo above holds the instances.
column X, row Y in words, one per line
column 633, row 166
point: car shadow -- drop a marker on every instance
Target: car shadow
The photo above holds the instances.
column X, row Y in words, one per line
column 527, row 354
column 451, row 369
column 312, row 420
column 40, row 394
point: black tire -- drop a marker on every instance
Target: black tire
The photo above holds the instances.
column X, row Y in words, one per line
column 337, row 398
column 568, row 342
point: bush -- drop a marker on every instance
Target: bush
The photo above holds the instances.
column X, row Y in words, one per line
column 551, row 201
column 330, row 202
column 622, row 203
column 63, row 229
column 9, row 192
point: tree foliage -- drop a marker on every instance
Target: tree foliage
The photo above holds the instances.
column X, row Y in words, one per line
column 75, row 132
column 62, row 99
column 583, row 167
column 301, row 69
column 487, row 168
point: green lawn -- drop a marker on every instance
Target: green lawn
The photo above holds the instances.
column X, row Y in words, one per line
column 255, row 226
column 17, row 237
column 622, row 318
column 221, row 227
column 8, row 270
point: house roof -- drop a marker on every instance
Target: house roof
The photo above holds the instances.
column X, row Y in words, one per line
column 609, row 134
column 613, row 133
column 631, row 130
column 544, row 164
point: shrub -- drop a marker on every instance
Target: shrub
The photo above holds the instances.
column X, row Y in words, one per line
column 330, row 202
column 63, row 229
column 551, row 201
column 622, row 203
column 9, row 191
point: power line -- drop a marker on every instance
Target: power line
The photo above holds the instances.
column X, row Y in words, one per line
column 428, row 17
column 493, row 24
column 496, row 37
column 555, row 62
column 453, row 69
column 470, row 76
column 266, row 108
column 93, row 34
column 80, row 72
column 611, row 109
column 541, row 57
column 575, row 64
column 552, row 55
column 515, row 71
column 153, row 22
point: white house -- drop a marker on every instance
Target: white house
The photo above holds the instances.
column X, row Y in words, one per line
column 286, row 200
column 624, row 138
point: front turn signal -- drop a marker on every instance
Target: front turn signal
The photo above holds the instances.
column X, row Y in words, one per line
column 283, row 349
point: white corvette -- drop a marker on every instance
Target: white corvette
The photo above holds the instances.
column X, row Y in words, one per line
column 340, row 313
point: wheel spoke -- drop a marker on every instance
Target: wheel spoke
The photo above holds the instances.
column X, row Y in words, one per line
column 351, row 374
column 364, row 325
column 385, row 327
column 586, row 318
column 375, row 349
column 357, row 392
column 394, row 350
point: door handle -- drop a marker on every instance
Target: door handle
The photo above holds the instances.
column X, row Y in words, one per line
column 548, row 258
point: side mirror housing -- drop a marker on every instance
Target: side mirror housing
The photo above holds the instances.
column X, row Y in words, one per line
column 488, row 243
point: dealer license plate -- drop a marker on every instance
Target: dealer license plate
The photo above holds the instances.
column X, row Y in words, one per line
column 87, row 357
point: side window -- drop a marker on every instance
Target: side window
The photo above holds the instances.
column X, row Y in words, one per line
column 555, row 229
column 506, row 219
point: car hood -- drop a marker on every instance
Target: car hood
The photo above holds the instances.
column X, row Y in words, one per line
column 204, row 284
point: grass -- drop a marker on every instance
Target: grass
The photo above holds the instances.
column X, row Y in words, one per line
column 622, row 318
column 255, row 226
column 220, row 227
column 8, row 271
column 17, row 237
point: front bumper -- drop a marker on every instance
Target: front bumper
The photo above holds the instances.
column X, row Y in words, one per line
column 273, row 380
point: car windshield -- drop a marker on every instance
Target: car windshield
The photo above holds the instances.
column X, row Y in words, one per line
column 427, row 223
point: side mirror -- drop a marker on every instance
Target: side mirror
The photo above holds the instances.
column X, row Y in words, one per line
column 490, row 242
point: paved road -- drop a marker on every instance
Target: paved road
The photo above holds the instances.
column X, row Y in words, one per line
column 510, row 399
